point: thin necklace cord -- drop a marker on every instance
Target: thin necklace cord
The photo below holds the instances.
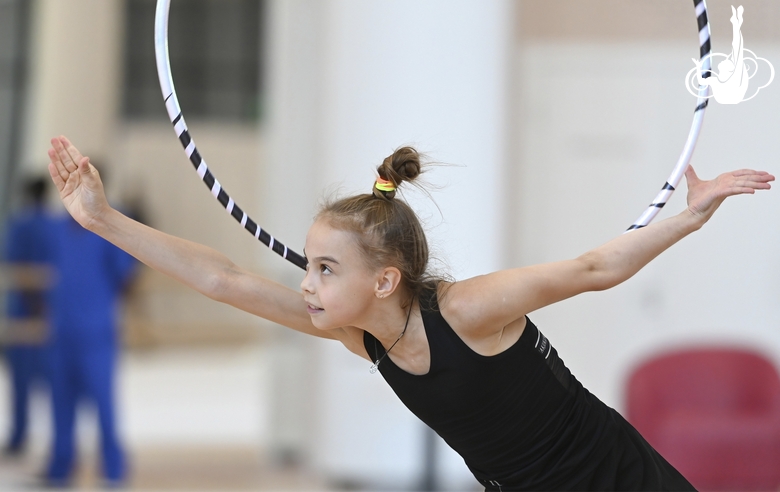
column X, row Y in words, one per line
column 375, row 366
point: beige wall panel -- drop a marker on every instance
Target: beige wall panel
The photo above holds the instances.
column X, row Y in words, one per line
column 75, row 73
column 151, row 168
column 622, row 20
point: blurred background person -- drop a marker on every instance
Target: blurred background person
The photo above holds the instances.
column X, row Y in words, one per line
column 26, row 254
column 92, row 275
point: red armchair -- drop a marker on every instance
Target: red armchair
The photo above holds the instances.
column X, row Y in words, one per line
column 712, row 413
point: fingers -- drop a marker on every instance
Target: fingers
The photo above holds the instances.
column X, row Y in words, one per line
column 62, row 155
column 58, row 165
column 84, row 167
column 738, row 183
column 755, row 183
column 747, row 172
column 66, row 159
column 72, row 151
column 56, row 177
column 755, row 179
column 88, row 174
column 743, row 178
column 739, row 172
column 59, row 146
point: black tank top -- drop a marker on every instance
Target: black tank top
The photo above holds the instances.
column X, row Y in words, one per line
column 520, row 420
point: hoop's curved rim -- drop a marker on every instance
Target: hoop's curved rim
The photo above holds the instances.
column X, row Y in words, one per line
column 684, row 160
column 180, row 127
column 182, row 133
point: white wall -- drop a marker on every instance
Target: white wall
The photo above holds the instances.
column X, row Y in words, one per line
column 195, row 397
column 601, row 127
column 379, row 75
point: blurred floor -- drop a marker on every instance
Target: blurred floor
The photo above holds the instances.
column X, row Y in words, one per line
column 193, row 419
column 184, row 469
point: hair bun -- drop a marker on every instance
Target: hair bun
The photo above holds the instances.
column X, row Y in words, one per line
column 403, row 165
column 406, row 163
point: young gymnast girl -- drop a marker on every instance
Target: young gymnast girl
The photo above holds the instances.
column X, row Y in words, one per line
column 462, row 356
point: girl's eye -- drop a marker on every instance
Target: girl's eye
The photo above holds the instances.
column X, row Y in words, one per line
column 325, row 269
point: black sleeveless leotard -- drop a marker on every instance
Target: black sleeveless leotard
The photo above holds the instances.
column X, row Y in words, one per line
column 520, row 420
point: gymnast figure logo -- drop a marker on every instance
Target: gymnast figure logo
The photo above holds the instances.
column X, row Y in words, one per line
column 730, row 84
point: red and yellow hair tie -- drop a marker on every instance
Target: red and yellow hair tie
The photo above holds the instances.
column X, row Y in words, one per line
column 384, row 185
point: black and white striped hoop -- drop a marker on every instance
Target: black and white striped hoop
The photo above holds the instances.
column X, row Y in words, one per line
column 698, row 115
column 180, row 127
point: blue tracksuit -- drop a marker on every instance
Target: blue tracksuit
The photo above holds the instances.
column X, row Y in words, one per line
column 27, row 242
column 83, row 346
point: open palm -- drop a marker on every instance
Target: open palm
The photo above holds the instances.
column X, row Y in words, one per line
column 77, row 181
column 704, row 197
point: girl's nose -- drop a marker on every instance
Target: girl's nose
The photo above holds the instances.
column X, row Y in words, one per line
column 305, row 283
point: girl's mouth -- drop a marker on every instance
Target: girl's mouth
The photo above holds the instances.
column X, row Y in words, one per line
column 314, row 309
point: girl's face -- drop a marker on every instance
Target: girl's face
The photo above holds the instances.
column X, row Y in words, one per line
column 338, row 287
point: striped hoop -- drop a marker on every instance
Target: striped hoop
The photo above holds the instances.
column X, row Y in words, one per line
column 180, row 127
column 698, row 115
column 182, row 133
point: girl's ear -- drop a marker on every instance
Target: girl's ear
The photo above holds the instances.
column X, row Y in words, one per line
column 388, row 281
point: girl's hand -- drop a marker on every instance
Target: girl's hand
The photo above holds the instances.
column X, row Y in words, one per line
column 704, row 197
column 78, row 182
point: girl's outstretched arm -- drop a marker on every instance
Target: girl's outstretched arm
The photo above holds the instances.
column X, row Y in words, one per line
column 484, row 305
column 200, row 267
